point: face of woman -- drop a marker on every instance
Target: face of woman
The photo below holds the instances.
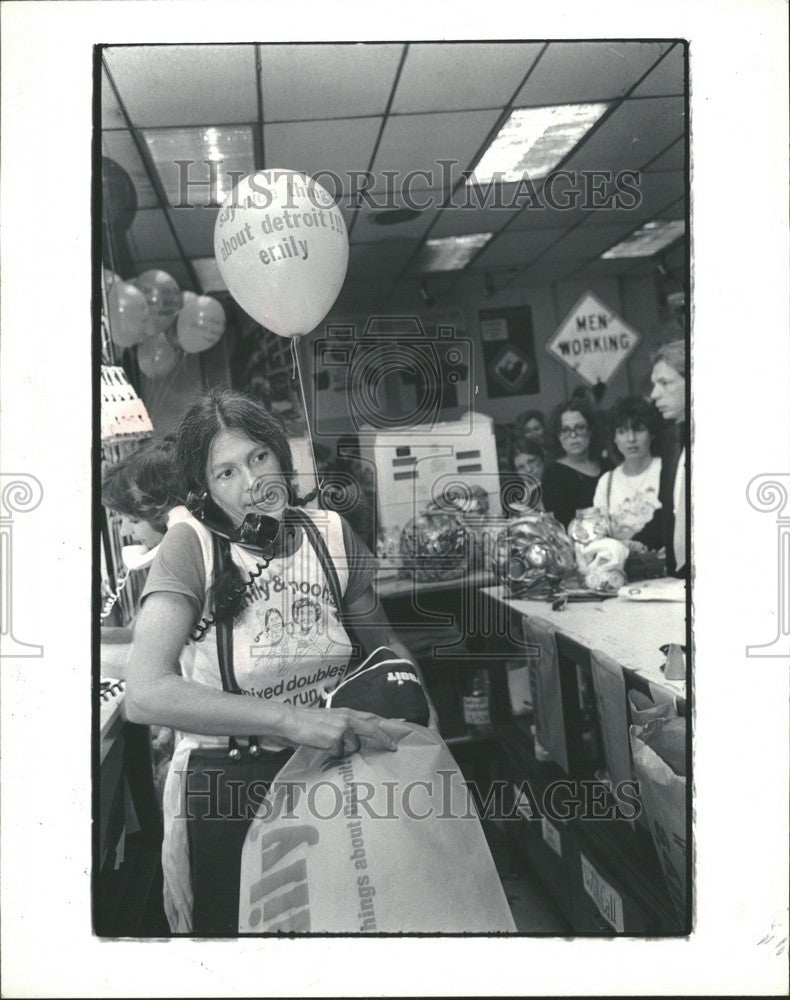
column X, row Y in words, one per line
column 244, row 477
column 528, row 465
column 141, row 532
column 669, row 392
column 574, row 434
column 533, row 431
column 632, row 442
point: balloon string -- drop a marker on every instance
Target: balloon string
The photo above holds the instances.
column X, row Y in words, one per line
column 305, row 407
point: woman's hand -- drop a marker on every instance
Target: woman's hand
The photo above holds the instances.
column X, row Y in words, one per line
column 342, row 730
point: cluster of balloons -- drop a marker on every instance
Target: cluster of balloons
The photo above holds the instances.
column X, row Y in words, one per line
column 153, row 314
column 281, row 246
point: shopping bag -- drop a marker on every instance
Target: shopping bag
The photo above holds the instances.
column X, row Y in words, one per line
column 377, row 841
column 547, row 691
column 658, row 749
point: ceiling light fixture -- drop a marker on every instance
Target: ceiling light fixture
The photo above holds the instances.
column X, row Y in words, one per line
column 394, row 216
column 450, row 253
column 648, row 240
column 208, row 275
column 226, row 152
column 534, row 140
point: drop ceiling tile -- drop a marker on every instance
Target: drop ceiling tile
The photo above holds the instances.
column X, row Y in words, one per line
column 632, row 136
column 542, row 274
column 457, row 221
column 462, row 76
column 185, row 84
column 150, row 236
column 418, row 142
column 371, row 259
column 602, row 269
column 111, row 114
column 655, row 191
column 195, row 229
column 673, row 158
column 337, row 146
column 579, row 72
column 515, row 248
column 677, row 210
column 367, row 230
column 326, row 81
column 585, row 242
column 667, row 77
column 542, row 215
column 119, row 145
column 208, row 275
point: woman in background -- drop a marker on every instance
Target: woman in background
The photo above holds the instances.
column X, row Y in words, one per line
column 629, row 493
column 569, row 483
column 530, row 425
column 143, row 488
column 669, row 395
column 521, row 487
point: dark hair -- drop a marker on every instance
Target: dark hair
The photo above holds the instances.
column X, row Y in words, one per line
column 226, row 409
column 145, row 484
column 523, row 446
column 575, row 405
column 524, row 418
column 632, row 412
column 674, row 355
column 214, row 411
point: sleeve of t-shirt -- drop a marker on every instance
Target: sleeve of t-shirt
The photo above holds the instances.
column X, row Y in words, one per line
column 362, row 564
column 178, row 567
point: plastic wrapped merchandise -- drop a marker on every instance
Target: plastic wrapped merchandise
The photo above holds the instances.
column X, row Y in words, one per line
column 533, row 555
column 434, row 543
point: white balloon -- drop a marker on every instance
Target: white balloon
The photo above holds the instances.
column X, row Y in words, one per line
column 282, row 249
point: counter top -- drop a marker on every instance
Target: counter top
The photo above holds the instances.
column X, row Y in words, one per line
column 630, row 632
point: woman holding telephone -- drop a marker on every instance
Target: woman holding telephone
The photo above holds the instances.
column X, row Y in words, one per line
column 254, row 583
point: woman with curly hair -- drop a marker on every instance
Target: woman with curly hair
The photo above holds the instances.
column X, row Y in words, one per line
column 569, row 483
column 629, row 493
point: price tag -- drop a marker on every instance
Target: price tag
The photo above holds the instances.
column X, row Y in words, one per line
column 552, row 836
column 609, row 902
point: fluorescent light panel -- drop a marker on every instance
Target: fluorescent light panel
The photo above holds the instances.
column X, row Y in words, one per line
column 451, row 253
column 534, row 140
column 208, row 275
column 647, row 240
column 229, row 146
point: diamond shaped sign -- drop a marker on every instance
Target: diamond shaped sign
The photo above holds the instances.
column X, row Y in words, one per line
column 592, row 340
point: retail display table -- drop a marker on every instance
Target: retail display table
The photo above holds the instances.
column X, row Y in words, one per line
column 630, row 632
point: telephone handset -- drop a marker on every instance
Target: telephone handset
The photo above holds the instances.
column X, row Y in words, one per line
column 258, row 530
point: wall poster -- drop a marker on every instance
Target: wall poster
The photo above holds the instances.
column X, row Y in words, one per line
column 509, row 351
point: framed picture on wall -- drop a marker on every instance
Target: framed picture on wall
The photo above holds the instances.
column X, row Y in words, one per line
column 509, row 351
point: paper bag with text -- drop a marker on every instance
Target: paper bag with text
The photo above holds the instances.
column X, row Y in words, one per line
column 659, row 767
column 373, row 842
